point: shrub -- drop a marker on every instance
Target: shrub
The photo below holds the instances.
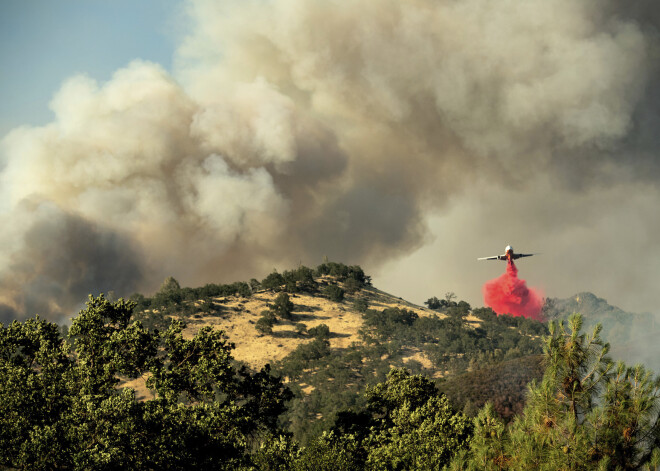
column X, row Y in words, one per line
column 360, row 305
column 283, row 306
column 254, row 284
column 264, row 325
column 320, row 332
column 334, row 293
column 274, row 281
column 301, row 328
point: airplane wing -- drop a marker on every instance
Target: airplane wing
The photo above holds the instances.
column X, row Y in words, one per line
column 520, row 255
column 495, row 257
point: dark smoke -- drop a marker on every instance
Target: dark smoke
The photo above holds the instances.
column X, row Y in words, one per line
column 64, row 258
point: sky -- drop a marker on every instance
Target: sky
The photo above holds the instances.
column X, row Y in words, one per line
column 44, row 43
column 216, row 141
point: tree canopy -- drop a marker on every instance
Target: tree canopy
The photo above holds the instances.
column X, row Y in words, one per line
column 62, row 407
column 587, row 413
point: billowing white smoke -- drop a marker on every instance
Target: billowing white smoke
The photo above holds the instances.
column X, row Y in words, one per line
column 297, row 129
column 129, row 161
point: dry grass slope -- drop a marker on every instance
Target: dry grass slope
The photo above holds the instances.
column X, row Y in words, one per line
column 239, row 316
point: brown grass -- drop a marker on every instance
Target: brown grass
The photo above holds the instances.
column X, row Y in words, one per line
column 239, row 316
column 140, row 387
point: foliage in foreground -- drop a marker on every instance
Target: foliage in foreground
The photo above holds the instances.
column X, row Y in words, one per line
column 406, row 424
column 587, row 413
column 61, row 407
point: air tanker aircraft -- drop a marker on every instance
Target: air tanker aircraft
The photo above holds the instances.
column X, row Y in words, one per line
column 508, row 255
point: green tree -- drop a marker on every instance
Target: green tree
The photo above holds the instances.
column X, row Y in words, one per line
column 422, row 438
column 320, row 332
column 334, row 293
column 169, row 293
column 587, row 413
column 265, row 324
column 169, row 284
column 276, row 453
column 331, row 452
column 64, row 410
column 283, row 307
column 305, row 277
column 435, row 303
column 254, row 284
column 301, row 278
column 274, row 281
column 410, row 425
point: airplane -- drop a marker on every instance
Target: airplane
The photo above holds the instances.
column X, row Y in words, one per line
column 508, row 255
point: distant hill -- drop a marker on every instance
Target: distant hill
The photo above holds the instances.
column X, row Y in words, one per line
column 632, row 336
column 341, row 335
column 588, row 304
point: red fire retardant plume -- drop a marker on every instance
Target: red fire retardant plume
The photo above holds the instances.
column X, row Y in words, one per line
column 510, row 295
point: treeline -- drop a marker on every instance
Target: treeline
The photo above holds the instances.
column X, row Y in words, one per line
column 305, row 279
column 172, row 295
column 60, row 410
column 172, row 299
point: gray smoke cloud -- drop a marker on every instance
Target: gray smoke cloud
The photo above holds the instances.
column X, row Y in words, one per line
column 292, row 129
column 62, row 259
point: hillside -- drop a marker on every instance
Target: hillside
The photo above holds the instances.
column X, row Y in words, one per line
column 473, row 355
column 632, row 336
column 503, row 384
column 340, row 335
column 237, row 317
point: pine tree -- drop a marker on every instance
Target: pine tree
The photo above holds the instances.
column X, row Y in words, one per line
column 587, row 413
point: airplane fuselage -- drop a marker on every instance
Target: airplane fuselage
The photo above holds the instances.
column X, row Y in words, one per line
column 509, row 255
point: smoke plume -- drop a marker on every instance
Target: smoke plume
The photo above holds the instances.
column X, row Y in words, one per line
column 290, row 130
column 508, row 294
